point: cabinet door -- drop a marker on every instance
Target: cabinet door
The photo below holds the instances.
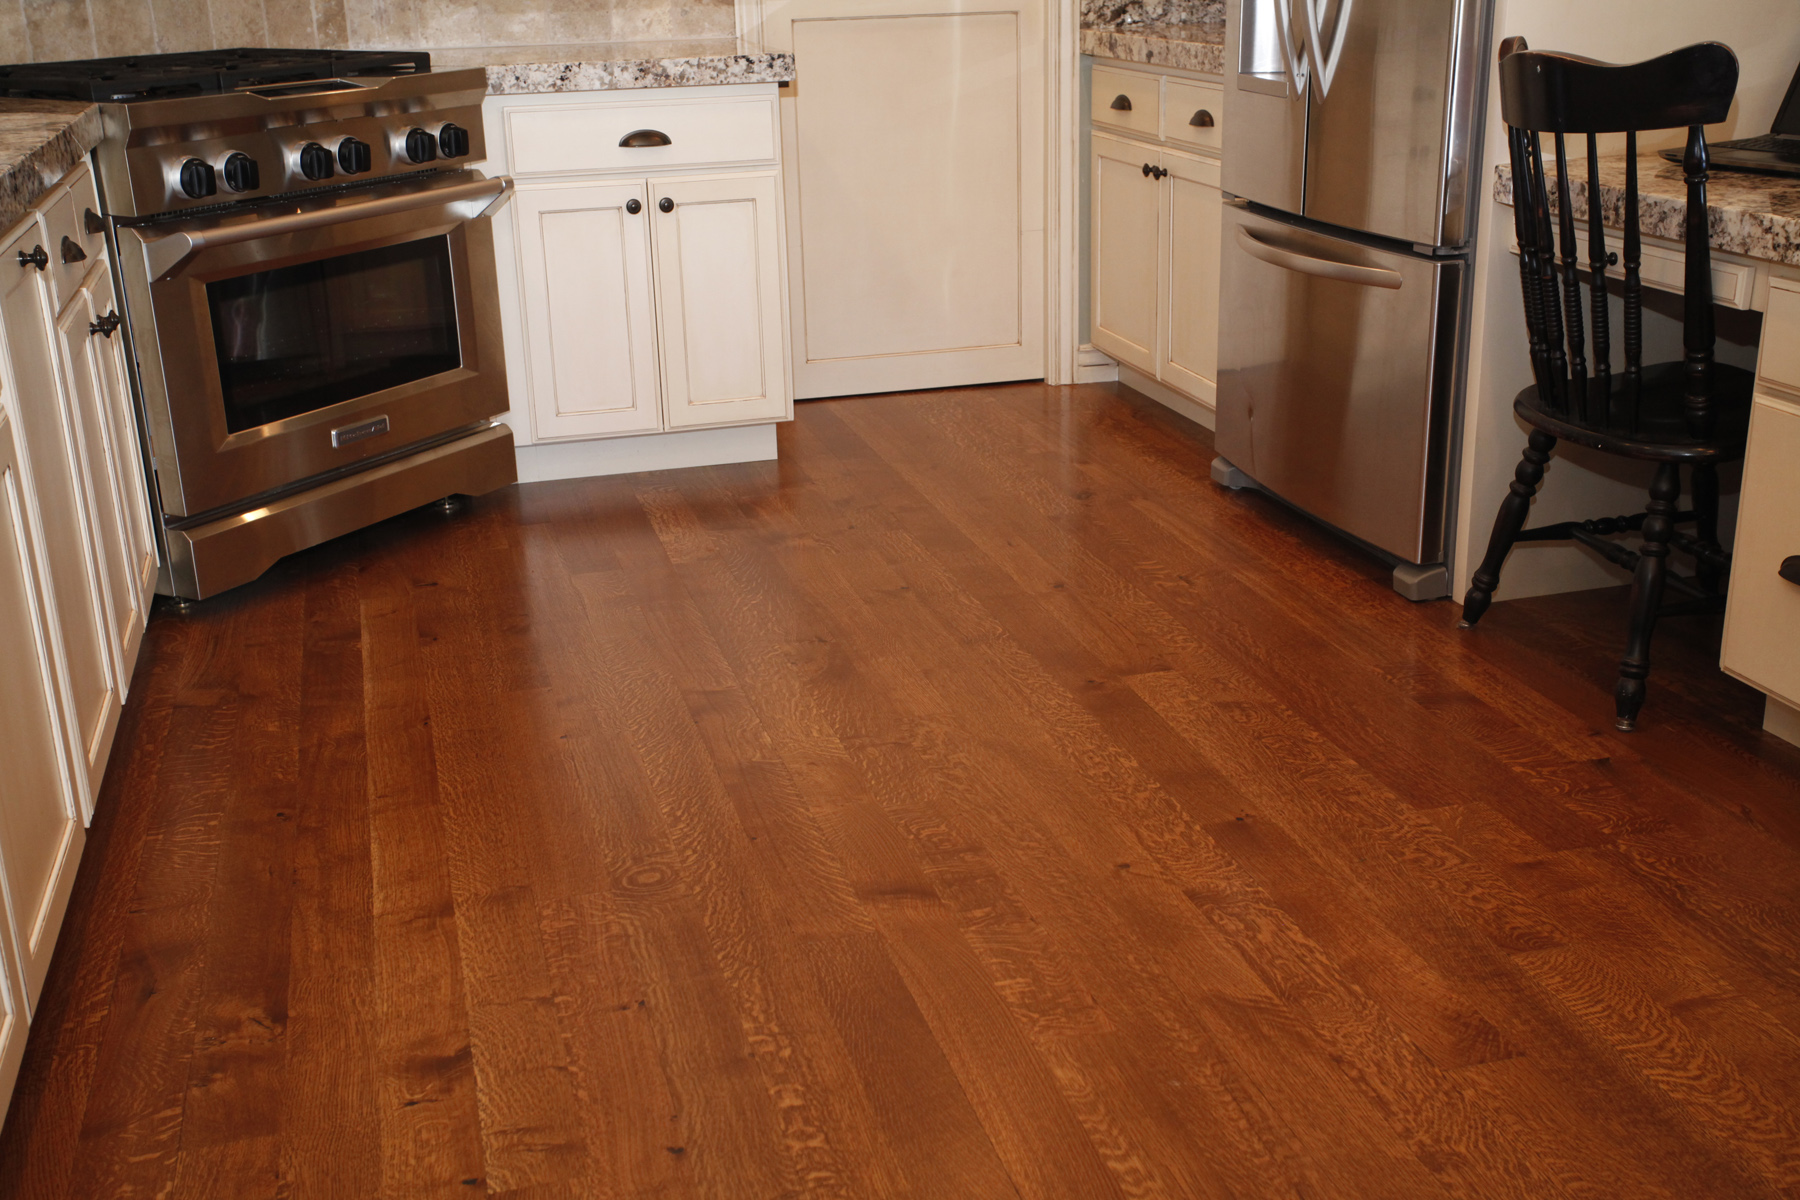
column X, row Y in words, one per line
column 718, row 300
column 1126, row 251
column 86, row 676
column 1761, row 645
column 590, row 332
column 95, row 441
column 128, row 465
column 1190, row 344
column 40, row 822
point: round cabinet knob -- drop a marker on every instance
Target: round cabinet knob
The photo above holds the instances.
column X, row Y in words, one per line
column 355, row 156
column 666, row 204
column 241, row 173
column 316, row 162
column 634, row 206
column 421, row 147
column 197, row 179
column 453, row 141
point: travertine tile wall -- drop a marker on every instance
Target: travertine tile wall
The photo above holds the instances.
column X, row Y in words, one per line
column 47, row 30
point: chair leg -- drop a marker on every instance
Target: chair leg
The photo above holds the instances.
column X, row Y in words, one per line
column 1706, row 522
column 1646, row 592
column 1513, row 511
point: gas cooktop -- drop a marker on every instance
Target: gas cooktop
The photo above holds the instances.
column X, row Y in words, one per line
column 200, row 73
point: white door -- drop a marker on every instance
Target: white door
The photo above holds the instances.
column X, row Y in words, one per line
column 95, row 444
column 1190, row 343
column 91, row 695
column 590, row 324
column 718, row 300
column 913, row 152
column 40, row 820
column 128, row 468
column 1126, row 213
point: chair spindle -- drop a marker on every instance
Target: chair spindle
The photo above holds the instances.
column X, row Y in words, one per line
column 1697, row 322
column 1571, row 282
column 1597, row 288
column 1634, row 290
column 1546, row 277
column 1526, row 234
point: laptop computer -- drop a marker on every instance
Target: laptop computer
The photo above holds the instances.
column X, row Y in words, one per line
column 1777, row 151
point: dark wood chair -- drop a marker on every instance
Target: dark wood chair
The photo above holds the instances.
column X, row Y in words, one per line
column 1691, row 413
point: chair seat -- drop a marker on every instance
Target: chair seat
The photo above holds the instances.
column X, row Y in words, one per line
column 1661, row 431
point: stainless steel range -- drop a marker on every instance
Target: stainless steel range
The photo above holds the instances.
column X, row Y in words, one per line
column 308, row 271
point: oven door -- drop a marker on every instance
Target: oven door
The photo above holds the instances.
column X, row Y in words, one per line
column 284, row 345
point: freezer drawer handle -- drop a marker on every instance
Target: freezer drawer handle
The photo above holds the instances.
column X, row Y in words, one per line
column 1790, row 569
column 1121, row 103
column 1324, row 268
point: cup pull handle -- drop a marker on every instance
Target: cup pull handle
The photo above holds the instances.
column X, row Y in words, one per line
column 1121, row 103
column 1203, row 118
column 645, row 137
column 1790, row 569
column 71, row 250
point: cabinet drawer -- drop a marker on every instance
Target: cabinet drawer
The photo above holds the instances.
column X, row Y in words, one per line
column 1780, row 361
column 1761, row 618
column 1194, row 114
column 585, row 138
column 1128, row 100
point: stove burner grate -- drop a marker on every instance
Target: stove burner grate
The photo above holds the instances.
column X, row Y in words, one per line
column 198, row 73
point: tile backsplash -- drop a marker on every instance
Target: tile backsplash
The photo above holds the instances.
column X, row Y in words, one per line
column 47, row 30
column 1151, row 12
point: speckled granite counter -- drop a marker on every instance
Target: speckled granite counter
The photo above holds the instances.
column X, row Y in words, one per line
column 40, row 141
column 1195, row 47
column 605, row 66
column 1757, row 216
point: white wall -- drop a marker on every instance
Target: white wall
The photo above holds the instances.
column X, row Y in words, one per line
column 1766, row 37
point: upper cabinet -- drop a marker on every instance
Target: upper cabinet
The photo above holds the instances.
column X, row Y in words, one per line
column 649, row 280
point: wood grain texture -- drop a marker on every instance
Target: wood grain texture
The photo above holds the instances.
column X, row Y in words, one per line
column 974, row 803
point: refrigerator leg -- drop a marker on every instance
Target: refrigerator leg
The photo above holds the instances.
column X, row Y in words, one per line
column 1226, row 475
column 1415, row 582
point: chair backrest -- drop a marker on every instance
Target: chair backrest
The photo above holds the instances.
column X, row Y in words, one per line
column 1561, row 94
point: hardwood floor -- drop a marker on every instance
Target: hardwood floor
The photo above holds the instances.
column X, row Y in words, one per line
column 975, row 803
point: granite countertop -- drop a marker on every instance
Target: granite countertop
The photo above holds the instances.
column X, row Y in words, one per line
column 603, row 66
column 1188, row 35
column 40, row 142
column 1751, row 214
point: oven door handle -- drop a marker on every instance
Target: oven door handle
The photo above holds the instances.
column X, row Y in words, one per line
column 165, row 253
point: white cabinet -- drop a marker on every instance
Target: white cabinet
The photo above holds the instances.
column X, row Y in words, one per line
column 1155, row 219
column 718, row 299
column 647, row 292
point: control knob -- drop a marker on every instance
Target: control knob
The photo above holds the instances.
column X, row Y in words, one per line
column 197, row 179
column 453, row 141
column 354, row 156
column 241, row 173
column 316, row 162
column 421, row 147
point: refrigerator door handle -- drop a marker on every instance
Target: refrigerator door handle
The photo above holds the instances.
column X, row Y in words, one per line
column 1324, row 268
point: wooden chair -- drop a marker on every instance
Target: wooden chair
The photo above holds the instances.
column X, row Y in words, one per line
column 1692, row 413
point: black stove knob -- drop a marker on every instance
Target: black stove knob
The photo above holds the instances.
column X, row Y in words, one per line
column 316, row 162
column 197, row 179
column 453, row 141
column 421, row 147
column 241, row 173
column 354, row 156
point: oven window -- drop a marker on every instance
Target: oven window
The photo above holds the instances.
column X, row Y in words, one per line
column 300, row 338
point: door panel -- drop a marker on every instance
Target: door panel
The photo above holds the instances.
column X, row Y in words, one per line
column 584, row 262
column 40, row 822
column 1126, row 217
column 128, row 466
column 914, row 159
column 1191, row 335
column 718, row 289
column 1332, row 393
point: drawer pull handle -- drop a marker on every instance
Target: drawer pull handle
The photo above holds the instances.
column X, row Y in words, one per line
column 1121, row 103
column 94, row 221
column 1790, row 569
column 71, row 250
column 1203, row 118
column 645, row 137
column 37, row 258
column 105, row 325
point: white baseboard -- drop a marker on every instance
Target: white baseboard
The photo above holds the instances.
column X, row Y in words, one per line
column 1094, row 366
column 1197, row 411
column 1782, row 721
column 647, row 452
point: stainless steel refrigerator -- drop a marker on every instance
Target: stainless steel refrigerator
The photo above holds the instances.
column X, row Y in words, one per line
column 1351, row 159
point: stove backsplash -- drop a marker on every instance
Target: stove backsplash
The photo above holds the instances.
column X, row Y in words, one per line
column 1112, row 13
column 63, row 29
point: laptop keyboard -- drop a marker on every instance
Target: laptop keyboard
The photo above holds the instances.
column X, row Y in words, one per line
column 1787, row 146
